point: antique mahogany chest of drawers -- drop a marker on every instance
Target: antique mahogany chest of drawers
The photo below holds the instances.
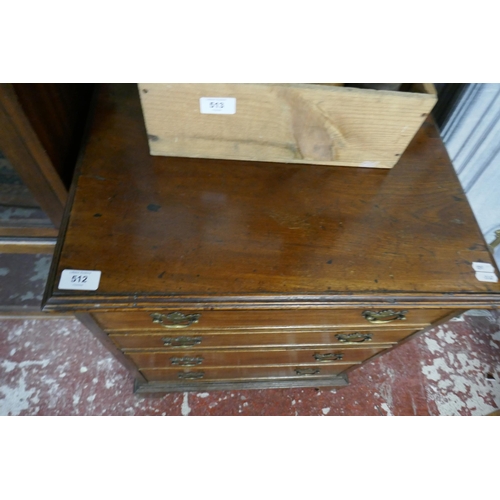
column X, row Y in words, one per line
column 212, row 274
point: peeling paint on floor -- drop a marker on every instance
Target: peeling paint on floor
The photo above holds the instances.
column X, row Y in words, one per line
column 459, row 370
column 185, row 409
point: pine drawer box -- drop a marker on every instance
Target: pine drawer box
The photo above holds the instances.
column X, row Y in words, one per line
column 291, row 123
column 203, row 274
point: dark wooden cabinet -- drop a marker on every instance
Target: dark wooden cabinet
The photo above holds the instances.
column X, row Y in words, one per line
column 225, row 274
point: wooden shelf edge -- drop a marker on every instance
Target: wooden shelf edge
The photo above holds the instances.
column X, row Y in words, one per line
column 27, row 245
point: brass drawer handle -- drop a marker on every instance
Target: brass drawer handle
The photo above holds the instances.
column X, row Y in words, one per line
column 175, row 319
column 187, row 361
column 181, row 341
column 385, row 316
column 329, row 356
column 354, row 338
column 190, row 375
column 306, row 371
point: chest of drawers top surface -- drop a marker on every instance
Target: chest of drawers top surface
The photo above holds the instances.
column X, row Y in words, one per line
column 180, row 232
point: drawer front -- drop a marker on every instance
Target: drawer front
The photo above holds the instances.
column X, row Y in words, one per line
column 276, row 319
column 180, row 375
column 248, row 339
column 230, row 358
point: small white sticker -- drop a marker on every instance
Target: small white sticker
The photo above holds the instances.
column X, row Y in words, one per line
column 483, row 267
column 488, row 277
column 217, row 105
column 72, row 279
column 368, row 164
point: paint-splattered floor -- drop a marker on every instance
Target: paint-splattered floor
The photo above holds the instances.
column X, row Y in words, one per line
column 56, row 367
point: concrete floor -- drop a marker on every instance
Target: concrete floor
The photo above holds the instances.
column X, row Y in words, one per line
column 56, row 367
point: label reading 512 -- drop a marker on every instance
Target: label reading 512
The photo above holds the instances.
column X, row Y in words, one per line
column 217, row 105
column 74, row 279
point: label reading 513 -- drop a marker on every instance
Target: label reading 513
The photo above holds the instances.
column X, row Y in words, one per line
column 217, row 105
column 73, row 279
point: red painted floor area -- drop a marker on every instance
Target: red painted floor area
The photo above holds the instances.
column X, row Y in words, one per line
column 56, row 367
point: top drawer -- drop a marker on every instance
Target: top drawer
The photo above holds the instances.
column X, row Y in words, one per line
column 280, row 319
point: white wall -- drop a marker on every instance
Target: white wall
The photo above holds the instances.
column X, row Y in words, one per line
column 472, row 138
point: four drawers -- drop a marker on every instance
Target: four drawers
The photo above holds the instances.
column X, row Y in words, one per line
column 253, row 345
